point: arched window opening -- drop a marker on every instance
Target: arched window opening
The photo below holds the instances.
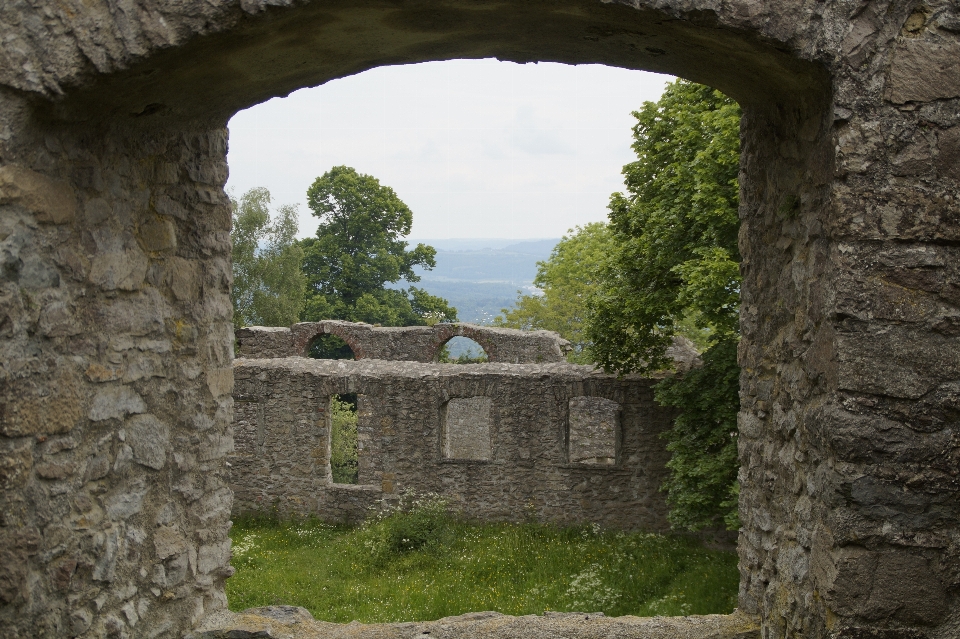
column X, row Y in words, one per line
column 344, row 443
column 330, row 347
column 462, row 350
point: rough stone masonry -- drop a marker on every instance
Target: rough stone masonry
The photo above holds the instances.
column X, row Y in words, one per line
column 500, row 441
column 491, row 438
column 115, row 337
column 408, row 343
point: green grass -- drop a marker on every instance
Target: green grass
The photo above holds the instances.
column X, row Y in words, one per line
column 370, row 574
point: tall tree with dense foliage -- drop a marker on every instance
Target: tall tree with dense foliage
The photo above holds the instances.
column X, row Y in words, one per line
column 677, row 263
column 568, row 278
column 358, row 249
column 268, row 284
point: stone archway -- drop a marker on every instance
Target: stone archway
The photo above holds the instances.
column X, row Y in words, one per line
column 488, row 348
column 116, row 330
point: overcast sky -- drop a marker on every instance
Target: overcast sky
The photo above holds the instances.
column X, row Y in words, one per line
column 476, row 148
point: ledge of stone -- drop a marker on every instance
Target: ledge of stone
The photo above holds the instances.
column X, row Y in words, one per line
column 292, row 622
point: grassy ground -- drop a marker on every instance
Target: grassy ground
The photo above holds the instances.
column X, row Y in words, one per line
column 403, row 570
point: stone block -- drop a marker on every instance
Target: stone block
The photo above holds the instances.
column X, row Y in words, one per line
column 149, row 438
column 57, row 319
column 157, row 234
column 96, row 211
column 16, row 547
column 56, row 469
column 949, row 159
column 923, row 71
column 168, row 541
column 116, row 402
column 51, row 201
column 212, row 557
column 125, row 500
column 220, row 381
column 16, row 462
column 899, row 585
column 184, row 278
column 904, row 363
column 41, row 404
column 119, row 270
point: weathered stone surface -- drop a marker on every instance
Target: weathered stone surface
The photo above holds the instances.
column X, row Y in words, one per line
column 950, row 152
column 51, row 201
column 168, row 541
column 41, row 404
column 411, row 344
column 15, row 465
column 115, row 402
column 890, row 585
column 123, row 270
column 923, row 71
column 495, row 439
column 149, row 438
column 16, row 547
column 848, row 135
column 289, row 622
column 98, row 354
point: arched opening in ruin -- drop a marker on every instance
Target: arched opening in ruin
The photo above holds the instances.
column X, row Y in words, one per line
column 462, row 350
column 330, row 346
column 141, row 133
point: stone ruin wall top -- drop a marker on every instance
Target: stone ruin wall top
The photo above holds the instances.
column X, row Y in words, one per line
column 423, row 343
column 411, row 343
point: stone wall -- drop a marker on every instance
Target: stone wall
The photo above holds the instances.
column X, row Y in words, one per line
column 411, row 343
column 115, row 385
column 492, row 438
column 116, row 271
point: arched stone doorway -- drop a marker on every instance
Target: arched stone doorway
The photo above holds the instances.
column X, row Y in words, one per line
column 117, row 363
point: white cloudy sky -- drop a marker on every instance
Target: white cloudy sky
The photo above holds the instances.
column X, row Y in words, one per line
column 476, row 148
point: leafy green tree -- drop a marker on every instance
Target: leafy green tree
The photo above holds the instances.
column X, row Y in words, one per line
column 268, row 284
column 359, row 248
column 568, row 279
column 676, row 266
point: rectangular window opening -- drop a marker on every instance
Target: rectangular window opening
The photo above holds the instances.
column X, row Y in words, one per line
column 344, row 449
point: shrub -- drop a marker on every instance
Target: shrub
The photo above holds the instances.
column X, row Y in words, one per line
column 416, row 522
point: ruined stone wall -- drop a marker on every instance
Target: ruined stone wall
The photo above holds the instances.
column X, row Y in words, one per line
column 115, row 382
column 408, row 343
column 492, row 438
column 849, row 238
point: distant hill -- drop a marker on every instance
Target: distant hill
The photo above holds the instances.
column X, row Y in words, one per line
column 473, row 244
column 481, row 276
